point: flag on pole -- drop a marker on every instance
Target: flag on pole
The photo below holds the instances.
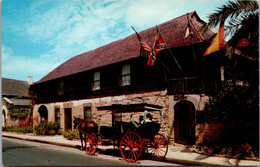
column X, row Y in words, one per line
column 189, row 31
column 145, row 48
column 218, row 42
column 158, row 46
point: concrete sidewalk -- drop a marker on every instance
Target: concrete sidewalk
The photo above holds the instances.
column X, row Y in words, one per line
column 175, row 153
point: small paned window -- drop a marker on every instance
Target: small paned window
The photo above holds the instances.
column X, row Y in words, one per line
column 126, row 75
column 61, row 91
column 87, row 113
column 96, row 81
column 57, row 114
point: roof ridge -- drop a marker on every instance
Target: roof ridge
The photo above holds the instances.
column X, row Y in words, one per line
column 127, row 48
column 13, row 79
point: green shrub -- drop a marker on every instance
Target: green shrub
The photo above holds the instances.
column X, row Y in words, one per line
column 235, row 150
column 19, row 112
column 233, row 105
column 71, row 134
column 47, row 128
column 19, row 130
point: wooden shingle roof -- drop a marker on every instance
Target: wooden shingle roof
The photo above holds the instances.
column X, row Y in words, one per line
column 11, row 87
column 173, row 32
column 18, row 102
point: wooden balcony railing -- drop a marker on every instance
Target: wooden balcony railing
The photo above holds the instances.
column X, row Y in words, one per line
column 192, row 85
column 183, row 85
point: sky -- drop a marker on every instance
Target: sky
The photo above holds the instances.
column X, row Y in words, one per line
column 39, row 35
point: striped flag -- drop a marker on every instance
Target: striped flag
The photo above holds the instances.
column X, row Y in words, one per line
column 158, row 46
column 145, row 48
column 218, row 42
column 144, row 45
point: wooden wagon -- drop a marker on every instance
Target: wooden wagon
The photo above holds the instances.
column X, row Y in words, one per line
column 132, row 139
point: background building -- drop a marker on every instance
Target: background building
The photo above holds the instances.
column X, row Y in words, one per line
column 16, row 103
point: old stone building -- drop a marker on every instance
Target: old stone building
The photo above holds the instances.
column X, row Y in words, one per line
column 16, row 103
column 116, row 74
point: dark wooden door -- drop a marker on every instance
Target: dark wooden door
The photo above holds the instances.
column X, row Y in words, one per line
column 184, row 122
column 68, row 119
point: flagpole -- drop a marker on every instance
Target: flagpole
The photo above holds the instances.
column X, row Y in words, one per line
column 195, row 61
column 134, row 29
column 164, row 65
column 171, row 52
column 156, row 58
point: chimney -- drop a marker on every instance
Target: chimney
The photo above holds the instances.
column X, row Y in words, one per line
column 30, row 80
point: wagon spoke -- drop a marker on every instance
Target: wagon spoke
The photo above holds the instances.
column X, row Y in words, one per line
column 127, row 138
column 158, row 152
column 125, row 142
column 132, row 142
column 152, row 150
column 160, row 147
column 134, row 153
column 129, row 154
column 161, row 151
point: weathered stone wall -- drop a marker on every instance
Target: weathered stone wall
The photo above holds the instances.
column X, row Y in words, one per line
column 104, row 118
column 198, row 100
column 204, row 132
column 15, row 122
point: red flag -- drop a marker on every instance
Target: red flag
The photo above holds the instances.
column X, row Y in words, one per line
column 218, row 42
column 158, row 46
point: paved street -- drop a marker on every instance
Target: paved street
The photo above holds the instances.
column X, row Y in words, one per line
column 25, row 153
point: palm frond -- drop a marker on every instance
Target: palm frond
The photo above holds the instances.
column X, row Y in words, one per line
column 249, row 31
column 233, row 10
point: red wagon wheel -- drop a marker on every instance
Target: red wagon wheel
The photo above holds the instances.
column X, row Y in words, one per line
column 91, row 144
column 131, row 146
column 159, row 147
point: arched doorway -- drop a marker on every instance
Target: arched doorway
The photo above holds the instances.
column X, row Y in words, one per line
column 43, row 111
column 184, row 122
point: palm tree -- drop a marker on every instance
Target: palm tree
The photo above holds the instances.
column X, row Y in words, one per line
column 243, row 26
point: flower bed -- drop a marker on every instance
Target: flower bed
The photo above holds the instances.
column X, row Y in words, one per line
column 243, row 151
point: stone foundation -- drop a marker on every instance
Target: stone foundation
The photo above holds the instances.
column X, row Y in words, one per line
column 104, row 118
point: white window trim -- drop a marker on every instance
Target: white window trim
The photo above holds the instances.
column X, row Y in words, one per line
column 96, row 81
column 126, row 75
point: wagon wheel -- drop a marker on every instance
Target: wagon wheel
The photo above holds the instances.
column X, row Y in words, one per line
column 131, row 146
column 91, row 144
column 159, row 147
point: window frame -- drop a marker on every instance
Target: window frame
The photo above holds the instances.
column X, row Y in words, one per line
column 86, row 115
column 96, row 81
column 57, row 118
column 125, row 75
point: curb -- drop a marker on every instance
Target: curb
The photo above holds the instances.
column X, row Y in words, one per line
column 189, row 162
column 104, row 150
column 167, row 159
column 41, row 141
